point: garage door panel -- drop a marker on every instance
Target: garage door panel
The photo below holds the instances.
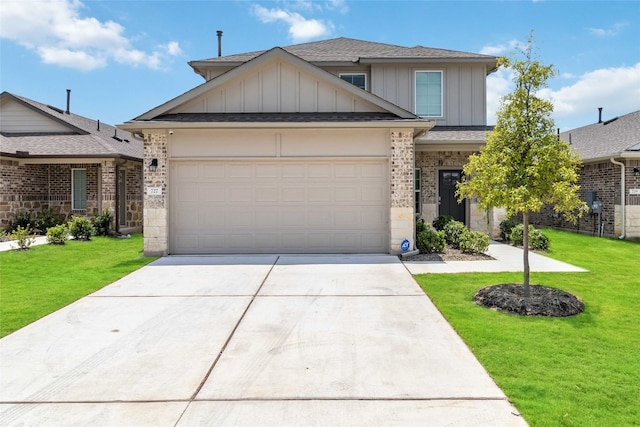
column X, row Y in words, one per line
column 287, row 207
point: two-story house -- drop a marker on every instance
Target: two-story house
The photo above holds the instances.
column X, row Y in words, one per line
column 331, row 146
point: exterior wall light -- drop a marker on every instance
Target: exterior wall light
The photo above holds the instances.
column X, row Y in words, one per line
column 636, row 172
column 153, row 165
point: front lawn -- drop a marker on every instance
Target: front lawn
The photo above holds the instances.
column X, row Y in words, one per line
column 41, row 280
column 576, row 371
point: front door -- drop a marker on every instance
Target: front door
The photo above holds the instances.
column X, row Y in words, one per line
column 447, row 195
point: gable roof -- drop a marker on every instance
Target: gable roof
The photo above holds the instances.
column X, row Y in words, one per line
column 618, row 137
column 346, row 50
column 159, row 113
column 85, row 137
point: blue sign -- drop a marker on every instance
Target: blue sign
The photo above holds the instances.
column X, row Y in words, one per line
column 405, row 245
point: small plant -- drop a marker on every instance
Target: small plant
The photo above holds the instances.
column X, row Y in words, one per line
column 102, row 223
column 3, row 234
column 22, row 219
column 453, row 231
column 538, row 240
column 474, row 242
column 80, row 228
column 440, row 222
column 23, row 237
column 506, row 225
column 48, row 218
column 58, row 234
column 430, row 241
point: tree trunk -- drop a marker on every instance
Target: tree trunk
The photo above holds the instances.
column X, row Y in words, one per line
column 525, row 245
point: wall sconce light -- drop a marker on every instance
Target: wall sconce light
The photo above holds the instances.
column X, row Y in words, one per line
column 153, row 165
column 636, row 172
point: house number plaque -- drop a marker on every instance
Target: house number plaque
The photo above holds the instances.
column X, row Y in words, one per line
column 154, row 191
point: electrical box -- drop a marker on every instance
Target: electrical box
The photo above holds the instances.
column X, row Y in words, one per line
column 596, row 207
column 589, row 198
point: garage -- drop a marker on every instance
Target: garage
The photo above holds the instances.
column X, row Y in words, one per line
column 279, row 206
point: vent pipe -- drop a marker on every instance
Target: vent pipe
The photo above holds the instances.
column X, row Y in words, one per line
column 98, row 125
column 219, row 33
column 68, row 101
column 599, row 114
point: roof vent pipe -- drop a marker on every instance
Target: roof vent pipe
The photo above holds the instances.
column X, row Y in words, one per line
column 599, row 114
column 98, row 125
column 219, row 33
column 68, row 100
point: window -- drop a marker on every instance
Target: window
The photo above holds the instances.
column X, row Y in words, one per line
column 417, row 186
column 356, row 79
column 429, row 93
column 78, row 189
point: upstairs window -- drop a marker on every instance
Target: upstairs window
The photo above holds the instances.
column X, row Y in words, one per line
column 429, row 93
column 356, row 79
column 78, row 189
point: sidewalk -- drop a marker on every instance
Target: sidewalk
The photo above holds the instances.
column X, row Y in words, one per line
column 507, row 259
column 11, row 244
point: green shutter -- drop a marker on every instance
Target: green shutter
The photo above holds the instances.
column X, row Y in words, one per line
column 79, row 183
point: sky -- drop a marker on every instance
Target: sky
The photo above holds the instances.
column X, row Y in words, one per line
column 123, row 58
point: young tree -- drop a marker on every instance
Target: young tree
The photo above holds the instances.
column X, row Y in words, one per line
column 524, row 164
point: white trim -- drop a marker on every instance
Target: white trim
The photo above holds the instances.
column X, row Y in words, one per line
column 73, row 199
column 366, row 85
column 415, row 92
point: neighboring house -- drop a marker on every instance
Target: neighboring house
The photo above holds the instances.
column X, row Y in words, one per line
column 50, row 158
column 610, row 152
column 327, row 146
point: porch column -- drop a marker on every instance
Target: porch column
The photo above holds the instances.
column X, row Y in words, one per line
column 402, row 214
column 156, row 229
column 107, row 187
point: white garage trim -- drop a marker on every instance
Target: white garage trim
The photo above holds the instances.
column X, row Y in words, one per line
column 279, row 206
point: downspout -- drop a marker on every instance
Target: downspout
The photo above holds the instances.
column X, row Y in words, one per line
column 622, row 195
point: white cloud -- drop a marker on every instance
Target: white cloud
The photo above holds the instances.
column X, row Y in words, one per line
column 501, row 49
column 616, row 89
column 300, row 28
column 57, row 32
column 339, row 5
column 608, row 32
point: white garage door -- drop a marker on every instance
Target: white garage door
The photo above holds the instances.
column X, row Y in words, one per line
column 279, row 207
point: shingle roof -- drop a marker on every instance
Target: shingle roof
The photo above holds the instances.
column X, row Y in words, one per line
column 457, row 133
column 83, row 139
column 610, row 138
column 344, row 49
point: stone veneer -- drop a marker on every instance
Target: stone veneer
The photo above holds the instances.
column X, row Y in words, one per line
column 156, row 227
column 402, row 211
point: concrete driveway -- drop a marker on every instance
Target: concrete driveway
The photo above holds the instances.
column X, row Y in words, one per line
column 249, row 340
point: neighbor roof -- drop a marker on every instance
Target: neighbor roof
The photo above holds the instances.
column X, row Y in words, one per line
column 82, row 140
column 618, row 137
column 348, row 50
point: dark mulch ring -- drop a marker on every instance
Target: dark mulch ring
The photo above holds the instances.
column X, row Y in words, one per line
column 543, row 301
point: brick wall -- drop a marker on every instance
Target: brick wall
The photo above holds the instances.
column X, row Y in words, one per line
column 21, row 189
column 156, row 228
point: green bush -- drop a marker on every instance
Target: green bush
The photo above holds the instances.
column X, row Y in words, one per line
column 23, row 220
column 440, row 222
column 453, row 231
column 538, row 240
column 430, row 241
column 420, row 225
column 58, row 234
column 102, row 223
column 23, row 237
column 48, row 218
column 80, row 228
column 506, row 226
column 474, row 242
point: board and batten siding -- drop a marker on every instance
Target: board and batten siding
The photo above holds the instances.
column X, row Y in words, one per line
column 277, row 87
column 464, row 90
column 18, row 118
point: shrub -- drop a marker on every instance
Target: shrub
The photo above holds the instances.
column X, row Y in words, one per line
column 453, row 231
column 515, row 237
column 440, row 222
column 23, row 220
column 3, row 234
column 430, row 241
column 57, row 235
column 80, row 228
column 23, row 237
column 474, row 242
column 506, row 226
column 48, row 218
column 102, row 223
column 538, row 241
column 420, row 225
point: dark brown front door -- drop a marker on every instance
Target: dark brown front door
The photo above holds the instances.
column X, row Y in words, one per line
column 447, row 180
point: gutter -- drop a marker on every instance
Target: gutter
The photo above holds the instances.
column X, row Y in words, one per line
column 623, row 195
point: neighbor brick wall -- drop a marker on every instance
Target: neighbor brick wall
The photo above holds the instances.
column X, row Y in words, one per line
column 21, row 189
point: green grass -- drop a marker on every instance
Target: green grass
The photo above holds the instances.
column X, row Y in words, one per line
column 41, row 280
column 578, row 371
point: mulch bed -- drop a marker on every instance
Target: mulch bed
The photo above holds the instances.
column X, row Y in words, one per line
column 543, row 301
column 448, row 254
